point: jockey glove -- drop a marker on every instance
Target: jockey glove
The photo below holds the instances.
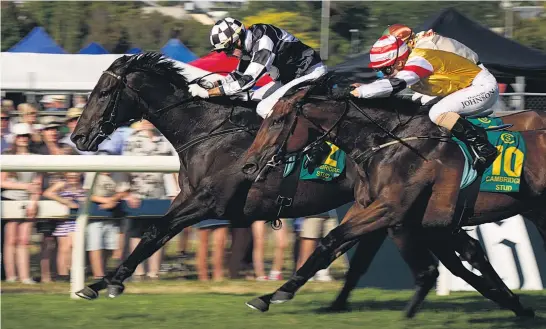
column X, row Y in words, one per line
column 339, row 93
column 198, row 91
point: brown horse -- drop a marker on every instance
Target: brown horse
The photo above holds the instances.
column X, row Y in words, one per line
column 525, row 120
column 395, row 180
column 366, row 251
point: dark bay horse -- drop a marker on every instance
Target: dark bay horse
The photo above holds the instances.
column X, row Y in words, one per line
column 404, row 182
column 210, row 137
column 364, row 253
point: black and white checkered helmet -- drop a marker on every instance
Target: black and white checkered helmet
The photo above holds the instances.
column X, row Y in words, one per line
column 225, row 33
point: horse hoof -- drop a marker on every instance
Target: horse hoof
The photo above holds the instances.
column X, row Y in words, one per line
column 410, row 312
column 280, row 297
column 88, row 293
column 258, row 304
column 114, row 290
column 526, row 312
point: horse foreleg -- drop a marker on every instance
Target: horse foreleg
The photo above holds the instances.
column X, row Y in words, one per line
column 471, row 251
column 181, row 215
column 415, row 252
column 365, row 251
column 445, row 252
column 356, row 223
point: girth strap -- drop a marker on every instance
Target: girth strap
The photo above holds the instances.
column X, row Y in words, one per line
column 288, row 188
column 466, row 201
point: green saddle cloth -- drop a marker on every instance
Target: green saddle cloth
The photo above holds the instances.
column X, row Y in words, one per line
column 332, row 166
column 504, row 175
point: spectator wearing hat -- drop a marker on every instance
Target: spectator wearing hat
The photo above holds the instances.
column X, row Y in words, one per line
column 54, row 102
column 50, row 146
column 145, row 140
column 71, row 120
column 50, row 136
column 29, row 115
column 7, row 105
column 22, row 186
column 79, row 101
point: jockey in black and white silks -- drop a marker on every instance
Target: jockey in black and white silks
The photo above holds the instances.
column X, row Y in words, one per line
column 261, row 49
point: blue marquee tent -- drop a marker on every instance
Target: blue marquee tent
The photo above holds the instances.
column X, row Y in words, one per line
column 134, row 50
column 37, row 41
column 93, row 49
column 177, row 51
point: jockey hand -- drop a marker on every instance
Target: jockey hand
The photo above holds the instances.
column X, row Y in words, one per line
column 197, row 91
column 355, row 91
column 207, row 84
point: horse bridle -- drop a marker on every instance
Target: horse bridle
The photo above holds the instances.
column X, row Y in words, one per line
column 281, row 156
column 107, row 127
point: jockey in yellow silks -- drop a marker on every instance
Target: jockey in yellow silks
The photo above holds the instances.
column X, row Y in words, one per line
column 466, row 88
column 431, row 40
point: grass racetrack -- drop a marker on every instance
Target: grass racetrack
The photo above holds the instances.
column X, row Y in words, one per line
column 191, row 304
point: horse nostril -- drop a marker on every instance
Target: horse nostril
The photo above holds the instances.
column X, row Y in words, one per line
column 76, row 137
column 250, row 168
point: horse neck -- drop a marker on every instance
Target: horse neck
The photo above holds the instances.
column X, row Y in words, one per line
column 358, row 134
column 188, row 121
column 178, row 125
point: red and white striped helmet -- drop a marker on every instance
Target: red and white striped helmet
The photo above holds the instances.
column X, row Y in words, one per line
column 387, row 50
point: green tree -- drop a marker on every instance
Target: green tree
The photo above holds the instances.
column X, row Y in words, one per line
column 532, row 33
column 11, row 27
column 306, row 28
column 302, row 27
column 15, row 25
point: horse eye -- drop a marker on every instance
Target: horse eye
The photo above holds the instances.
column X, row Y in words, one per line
column 103, row 94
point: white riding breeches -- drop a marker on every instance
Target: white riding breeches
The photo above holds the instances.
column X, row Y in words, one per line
column 481, row 95
column 265, row 107
column 266, row 90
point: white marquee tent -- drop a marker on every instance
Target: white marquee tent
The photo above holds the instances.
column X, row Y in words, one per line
column 63, row 72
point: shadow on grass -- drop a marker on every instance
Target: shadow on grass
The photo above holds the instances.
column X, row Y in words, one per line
column 466, row 304
column 130, row 316
column 512, row 322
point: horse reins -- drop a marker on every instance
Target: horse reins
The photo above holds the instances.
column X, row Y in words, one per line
column 388, row 132
column 280, row 158
column 107, row 127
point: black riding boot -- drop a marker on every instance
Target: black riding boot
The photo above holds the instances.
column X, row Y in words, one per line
column 476, row 139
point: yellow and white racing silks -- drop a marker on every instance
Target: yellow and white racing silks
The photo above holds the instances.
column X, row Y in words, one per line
column 467, row 89
column 432, row 40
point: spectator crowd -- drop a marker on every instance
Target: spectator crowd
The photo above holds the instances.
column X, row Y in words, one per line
column 44, row 128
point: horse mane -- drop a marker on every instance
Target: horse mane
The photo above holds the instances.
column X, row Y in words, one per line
column 151, row 62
